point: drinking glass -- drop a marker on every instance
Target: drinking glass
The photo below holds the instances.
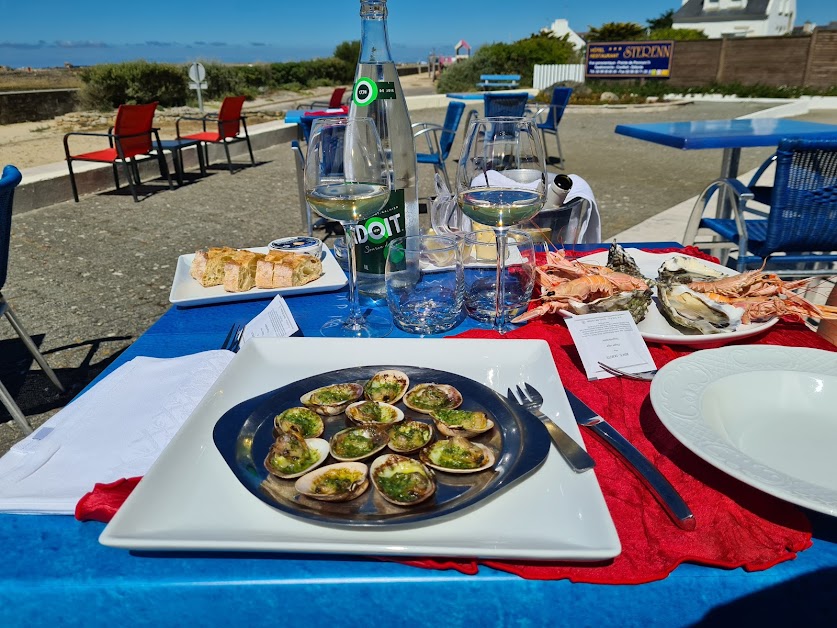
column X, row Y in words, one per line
column 500, row 182
column 347, row 178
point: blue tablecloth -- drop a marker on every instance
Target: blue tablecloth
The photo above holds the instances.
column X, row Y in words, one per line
column 55, row 572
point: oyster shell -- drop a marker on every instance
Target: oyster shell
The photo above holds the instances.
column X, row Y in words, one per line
column 694, row 311
column 619, row 260
column 426, row 398
column 634, row 301
column 356, row 443
column 465, row 423
column 686, row 269
column 409, row 436
column 338, row 482
column 291, row 455
column 332, row 400
column 373, row 413
column 308, row 421
column 457, row 455
column 402, row 481
column 388, row 386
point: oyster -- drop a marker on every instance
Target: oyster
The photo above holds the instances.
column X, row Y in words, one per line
column 457, row 455
column 426, row 398
column 388, row 386
column 409, row 436
column 335, row 482
column 308, row 421
column 465, row 423
column 374, row 413
column 291, row 455
column 356, row 443
column 619, row 260
column 686, row 269
column 331, row 400
column 634, row 301
column 694, row 311
column 402, row 481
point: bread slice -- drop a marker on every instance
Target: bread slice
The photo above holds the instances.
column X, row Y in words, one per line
column 208, row 266
column 240, row 271
column 281, row 269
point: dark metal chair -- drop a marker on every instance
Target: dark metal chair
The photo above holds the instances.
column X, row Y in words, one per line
column 800, row 228
column 232, row 127
column 439, row 139
column 8, row 182
column 129, row 138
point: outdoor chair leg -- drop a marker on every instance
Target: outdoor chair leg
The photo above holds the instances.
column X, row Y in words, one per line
column 14, row 410
column 201, row 160
column 164, row 167
column 229, row 160
column 135, row 168
column 560, row 154
column 115, row 174
column 130, row 178
column 444, row 170
column 72, row 179
column 27, row 341
column 247, row 137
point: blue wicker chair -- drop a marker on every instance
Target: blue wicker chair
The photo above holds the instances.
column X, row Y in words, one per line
column 8, row 182
column 799, row 230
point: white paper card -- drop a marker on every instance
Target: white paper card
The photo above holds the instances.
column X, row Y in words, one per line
column 612, row 338
column 275, row 321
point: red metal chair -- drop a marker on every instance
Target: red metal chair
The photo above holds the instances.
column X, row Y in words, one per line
column 130, row 137
column 230, row 123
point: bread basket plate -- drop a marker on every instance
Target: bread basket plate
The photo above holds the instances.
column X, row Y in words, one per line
column 186, row 292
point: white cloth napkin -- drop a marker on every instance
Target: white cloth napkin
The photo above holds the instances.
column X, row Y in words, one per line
column 590, row 229
column 117, row 429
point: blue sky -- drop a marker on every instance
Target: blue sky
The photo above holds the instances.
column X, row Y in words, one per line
column 48, row 32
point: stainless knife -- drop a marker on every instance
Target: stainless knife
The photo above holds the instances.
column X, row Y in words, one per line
column 660, row 487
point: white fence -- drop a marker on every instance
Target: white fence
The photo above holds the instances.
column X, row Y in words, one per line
column 546, row 75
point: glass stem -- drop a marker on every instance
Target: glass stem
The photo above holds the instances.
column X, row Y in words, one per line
column 500, row 285
column 355, row 317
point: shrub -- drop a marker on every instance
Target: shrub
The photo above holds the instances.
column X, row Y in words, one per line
column 137, row 82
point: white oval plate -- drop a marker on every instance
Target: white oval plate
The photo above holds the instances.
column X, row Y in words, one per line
column 654, row 327
column 763, row 414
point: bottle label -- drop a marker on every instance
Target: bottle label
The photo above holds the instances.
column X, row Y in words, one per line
column 367, row 91
column 372, row 236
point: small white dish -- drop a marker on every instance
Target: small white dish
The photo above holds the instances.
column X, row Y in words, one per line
column 763, row 414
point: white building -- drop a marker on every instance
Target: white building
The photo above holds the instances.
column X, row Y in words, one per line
column 737, row 18
column 560, row 28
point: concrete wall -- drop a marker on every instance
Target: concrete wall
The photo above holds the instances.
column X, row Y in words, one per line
column 36, row 105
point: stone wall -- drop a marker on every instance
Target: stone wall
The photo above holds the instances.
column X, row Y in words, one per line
column 36, row 105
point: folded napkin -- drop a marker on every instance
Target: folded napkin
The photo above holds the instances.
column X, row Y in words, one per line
column 590, row 229
column 116, row 429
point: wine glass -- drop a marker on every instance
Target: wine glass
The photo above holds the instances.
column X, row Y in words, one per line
column 500, row 182
column 348, row 179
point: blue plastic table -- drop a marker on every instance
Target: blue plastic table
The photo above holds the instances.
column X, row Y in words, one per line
column 54, row 571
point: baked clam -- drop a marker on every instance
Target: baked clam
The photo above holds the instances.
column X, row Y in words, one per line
column 409, row 436
column 373, row 413
column 457, row 455
column 308, row 421
column 332, row 400
column 356, row 443
column 426, row 398
column 338, row 482
column 387, row 386
column 401, row 480
column 291, row 455
column 465, row 423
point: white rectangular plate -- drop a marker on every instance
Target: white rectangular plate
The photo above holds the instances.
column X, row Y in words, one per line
column 185, row 291
column 190, row 500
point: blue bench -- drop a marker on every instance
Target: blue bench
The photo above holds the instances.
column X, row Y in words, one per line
column 499, row 80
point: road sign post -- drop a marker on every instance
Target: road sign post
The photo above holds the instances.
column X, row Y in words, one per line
column 198, row 75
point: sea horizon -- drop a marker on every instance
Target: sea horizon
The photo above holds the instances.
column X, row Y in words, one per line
column 44, row 55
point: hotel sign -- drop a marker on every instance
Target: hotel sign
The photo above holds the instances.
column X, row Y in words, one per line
column 629, row 59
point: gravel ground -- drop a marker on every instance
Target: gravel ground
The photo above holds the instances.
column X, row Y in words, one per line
column 88, row 278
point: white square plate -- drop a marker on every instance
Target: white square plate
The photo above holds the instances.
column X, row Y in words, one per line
column 186, row 291
column 190, row 499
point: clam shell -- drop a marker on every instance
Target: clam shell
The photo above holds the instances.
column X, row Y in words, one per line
column 429, row 457
column 387, row 386
column 308, row 421
column 451, row 429
column 327, row 407
column 405, row 426
column 307, row 483
column 374, row 434
column 317, row 444
column 448, row 399
column 389, row 413
column 393, row 463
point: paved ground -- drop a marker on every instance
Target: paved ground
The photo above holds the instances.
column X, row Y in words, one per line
column 88, row 278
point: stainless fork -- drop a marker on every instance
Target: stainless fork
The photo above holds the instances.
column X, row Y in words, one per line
column 644, row 376
column 233, row 339
column 578, row 459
